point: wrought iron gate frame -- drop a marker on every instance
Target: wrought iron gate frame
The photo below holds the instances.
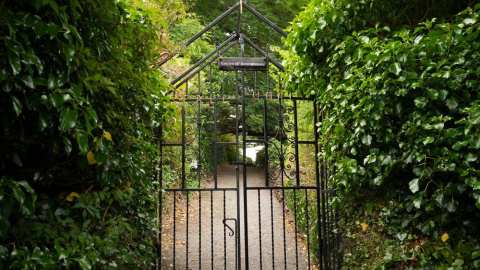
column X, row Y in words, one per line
column 328, row 237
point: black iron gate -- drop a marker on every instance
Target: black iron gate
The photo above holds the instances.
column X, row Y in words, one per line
column 267, row 214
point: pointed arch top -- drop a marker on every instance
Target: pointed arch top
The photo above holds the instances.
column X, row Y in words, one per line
column 238, row 6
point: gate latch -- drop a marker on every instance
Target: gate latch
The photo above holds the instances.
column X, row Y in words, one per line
column 232, row 232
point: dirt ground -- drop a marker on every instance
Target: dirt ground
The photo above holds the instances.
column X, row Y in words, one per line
column 268, row 246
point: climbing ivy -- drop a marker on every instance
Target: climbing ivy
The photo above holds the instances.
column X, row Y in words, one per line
column 80, row 99
column 401, row 113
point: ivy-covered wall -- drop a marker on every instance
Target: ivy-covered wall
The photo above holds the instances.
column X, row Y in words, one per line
column 399, row 93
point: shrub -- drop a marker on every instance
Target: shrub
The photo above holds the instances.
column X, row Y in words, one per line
column 401, row 120
column 79, row 103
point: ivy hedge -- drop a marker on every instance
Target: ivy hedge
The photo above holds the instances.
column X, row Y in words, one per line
column 401, row 122
column 80, row 98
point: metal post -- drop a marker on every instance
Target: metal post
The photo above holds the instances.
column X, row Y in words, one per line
column 237, row 172
column 158, row 176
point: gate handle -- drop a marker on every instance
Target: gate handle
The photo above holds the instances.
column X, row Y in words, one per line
column 232, row 232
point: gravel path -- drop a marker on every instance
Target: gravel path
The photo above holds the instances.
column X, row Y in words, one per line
column 209, row 219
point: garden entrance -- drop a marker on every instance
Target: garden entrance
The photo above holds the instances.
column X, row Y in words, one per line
column 225, row 208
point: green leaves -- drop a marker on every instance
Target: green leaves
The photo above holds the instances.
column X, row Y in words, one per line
column 59, row 97
column 68, row 119
column 452, row 103
column 84, row 263
column 414, row 185
column 395, row 68
column 17, row 106
column 404, row 106
column 69, row 52
column 367, row 140
column 82, row 141
column 27, row 80
column 23, row 194
column 428, row 140
column 420, row 102
column 15, row 64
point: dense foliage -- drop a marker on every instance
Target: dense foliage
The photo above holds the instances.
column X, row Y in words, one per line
column 401, row 113
column 80, row 100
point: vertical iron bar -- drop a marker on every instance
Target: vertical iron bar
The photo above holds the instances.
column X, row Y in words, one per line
column 271, row 224
column 268, row 77
column 332, row 229
column 200, row 229
column 199, row 129
column 325, row 221
column 239, row 20
column 238, row 249
column 307, row 229
column 260, row 228
column 297, row 161
column 188, row 204
column 174, row 227
column 223, row 84
column 215, row 148
column 265, row 139
column 159, row 176
column 210, row 79
column 183, row 144
column 282, row 171
column 337, row 250
column 320, row 217
column 224, row 234
column 211, row 227
column 296, row 228
column 255, row 87
column 332, row 238
column 245, row 200
column 329, row 230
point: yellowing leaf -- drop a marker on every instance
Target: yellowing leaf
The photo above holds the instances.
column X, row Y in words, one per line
column 72, row 196
column 108, row 136
column 364, row 226
column 444, row 237
column 91, row 158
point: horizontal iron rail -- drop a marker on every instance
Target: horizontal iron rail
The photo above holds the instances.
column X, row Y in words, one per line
column 199, row 34
column 226, row 143
column 204, row 66
column 232, row 37
column 306, row 142
column 329, row 191
column 263, row 18
column 271, row 59
column 172, row 144
column 198, row 189
column 233, row 99
column 281, row 97
column 202, row 99
column 281, row 188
